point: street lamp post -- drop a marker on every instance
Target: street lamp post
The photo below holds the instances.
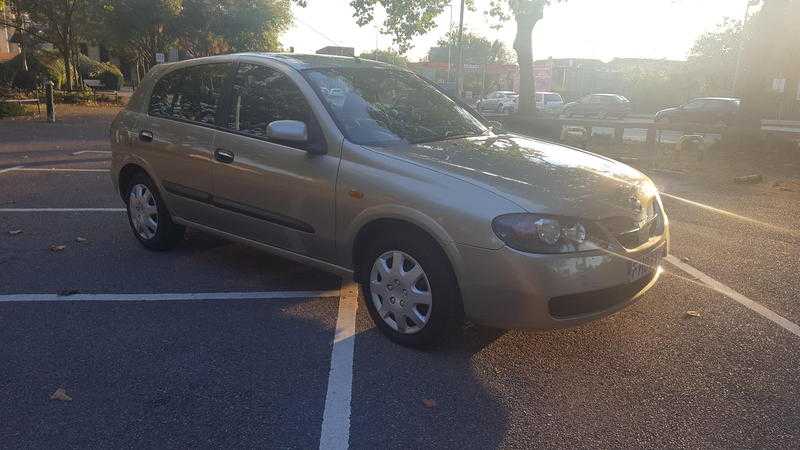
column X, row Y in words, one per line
column 460, row 67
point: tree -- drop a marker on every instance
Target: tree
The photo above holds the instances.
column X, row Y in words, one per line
column 138, row 29
column 769, row 50
column 59, row 22
column 207, row 27
column 406, row 19
column 526, row 13
column 712, row 59
column 477, row 49
column 388, row 56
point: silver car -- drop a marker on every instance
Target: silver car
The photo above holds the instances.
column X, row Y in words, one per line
column 369, row 171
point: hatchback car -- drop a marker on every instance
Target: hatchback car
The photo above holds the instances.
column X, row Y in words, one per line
column 708, row 110
column 599, row 105
column 369, row 171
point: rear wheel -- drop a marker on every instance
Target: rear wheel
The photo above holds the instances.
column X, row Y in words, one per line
column 409, row 289
column 148, row 216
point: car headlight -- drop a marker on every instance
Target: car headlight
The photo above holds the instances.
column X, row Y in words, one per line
column 534, row 233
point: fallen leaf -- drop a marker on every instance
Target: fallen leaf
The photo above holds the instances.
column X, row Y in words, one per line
column 428, row 403
column 61, row 395
column 57, row 248
column 15, row 232
column 693, row 313
column 81, row 239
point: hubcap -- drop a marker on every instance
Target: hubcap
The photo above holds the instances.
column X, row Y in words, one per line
column 143, row 211
column 401, row 292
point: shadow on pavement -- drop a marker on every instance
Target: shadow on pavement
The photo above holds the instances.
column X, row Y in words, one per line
column 393, row 388
column 164, row 374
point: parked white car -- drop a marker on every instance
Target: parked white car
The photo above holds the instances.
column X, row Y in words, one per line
column 497, row 101
column 548, row 102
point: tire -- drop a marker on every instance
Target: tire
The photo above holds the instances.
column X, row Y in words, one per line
column 390, row 302
column 148, row 216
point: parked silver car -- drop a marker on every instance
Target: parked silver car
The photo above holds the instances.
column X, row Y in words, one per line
column 369, row 171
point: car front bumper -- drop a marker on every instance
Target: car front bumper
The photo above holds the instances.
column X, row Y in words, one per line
column 506, row 288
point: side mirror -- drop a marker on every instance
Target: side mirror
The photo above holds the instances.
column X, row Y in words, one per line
column 287, row 131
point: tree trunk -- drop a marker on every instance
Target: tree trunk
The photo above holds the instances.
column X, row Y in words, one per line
column 66, row 55
column 524, row 48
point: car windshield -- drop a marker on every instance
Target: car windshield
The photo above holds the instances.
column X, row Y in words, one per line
column 375, row 106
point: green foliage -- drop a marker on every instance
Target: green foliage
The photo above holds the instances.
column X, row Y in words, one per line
column 206, row 27
column 42, row 65
column 107, row 73
column 62, row 23
column 405, row 19
column 477, row 49
column 712, row 59
column 387, row 56
column 11, row 109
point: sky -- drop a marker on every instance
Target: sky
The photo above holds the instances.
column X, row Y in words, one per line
column 600, row 29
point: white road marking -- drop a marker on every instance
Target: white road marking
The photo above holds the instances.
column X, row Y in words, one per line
column 737, row 297
column 190, row 296
column 336, row 418
column 24, row 210
column 10, row 169
column 56, row 169
column 91, row 151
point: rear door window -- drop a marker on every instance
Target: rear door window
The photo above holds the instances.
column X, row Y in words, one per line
column 191, row 94
column 165, row 93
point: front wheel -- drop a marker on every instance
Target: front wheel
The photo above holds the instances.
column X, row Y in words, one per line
column 409, row 289
column 148, row 216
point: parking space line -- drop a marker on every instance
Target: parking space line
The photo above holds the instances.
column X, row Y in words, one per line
column 737, row 297
column 23, row 210
column 336, row 418
column 10, row 169
column 171, row 297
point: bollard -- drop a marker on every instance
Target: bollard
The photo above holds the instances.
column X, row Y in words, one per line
column 51, row 110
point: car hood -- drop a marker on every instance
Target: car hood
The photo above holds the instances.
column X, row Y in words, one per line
column 538, row 176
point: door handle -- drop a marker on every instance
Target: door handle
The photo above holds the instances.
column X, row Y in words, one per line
column 146, row 136
column 223, row 156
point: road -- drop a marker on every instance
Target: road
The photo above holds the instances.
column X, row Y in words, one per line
column 214, row 344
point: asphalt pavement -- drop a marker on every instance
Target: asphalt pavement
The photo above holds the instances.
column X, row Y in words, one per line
column 212, row 353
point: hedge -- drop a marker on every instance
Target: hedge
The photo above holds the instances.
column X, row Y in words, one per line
column 11, row 109
column 107, row 73
column 44, row 64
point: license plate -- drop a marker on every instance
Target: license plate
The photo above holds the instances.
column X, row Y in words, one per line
column 645, row 265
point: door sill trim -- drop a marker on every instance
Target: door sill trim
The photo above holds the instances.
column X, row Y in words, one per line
column 288, row 254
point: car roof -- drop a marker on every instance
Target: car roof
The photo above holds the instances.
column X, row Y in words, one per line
column 294, row 60
column 304, row 61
